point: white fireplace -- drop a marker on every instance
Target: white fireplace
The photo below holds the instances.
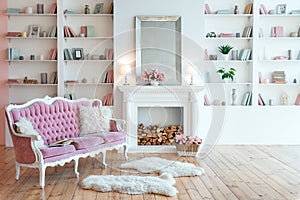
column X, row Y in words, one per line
column 189, row 100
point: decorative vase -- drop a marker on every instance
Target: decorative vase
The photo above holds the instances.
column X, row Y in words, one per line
column 154, row 82
column 233, row 96
column 225, row 56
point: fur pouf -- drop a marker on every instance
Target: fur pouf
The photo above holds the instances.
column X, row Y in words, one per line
column 131, row 184
column 159, row 165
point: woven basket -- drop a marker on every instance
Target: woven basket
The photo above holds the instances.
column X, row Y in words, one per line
column 187, row 149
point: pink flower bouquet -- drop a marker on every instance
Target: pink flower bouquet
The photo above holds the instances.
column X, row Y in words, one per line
column 153, row 74
column 185, row 139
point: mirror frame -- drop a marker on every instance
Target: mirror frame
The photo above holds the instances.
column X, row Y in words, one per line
column 138, row 28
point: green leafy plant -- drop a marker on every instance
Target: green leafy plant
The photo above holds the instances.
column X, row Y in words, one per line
column 225, row 49
column 227, row 74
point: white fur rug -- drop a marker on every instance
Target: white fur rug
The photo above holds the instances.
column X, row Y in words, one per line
column 159, row 165
column 131, row 184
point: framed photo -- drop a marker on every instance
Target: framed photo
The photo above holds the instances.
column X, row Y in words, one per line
column 98, row 8
column 78, row 53
column 281, row 9
column 34, row 30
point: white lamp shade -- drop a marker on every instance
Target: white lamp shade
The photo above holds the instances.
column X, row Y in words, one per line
column 125, row 69
column 190, row 70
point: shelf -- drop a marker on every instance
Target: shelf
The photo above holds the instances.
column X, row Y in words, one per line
column 32, row 38
column 279, row 15
column 33, row 14
column 228, row 38
column 30, row 85
column 89, row 84
column 107, row 61
column 229, row 84
column 89, row 38
column 280, row 84
column 228, row 15
column 280, row 61
column 88, row 15
column 228, row 61
column 31, row 61
column 279, row 38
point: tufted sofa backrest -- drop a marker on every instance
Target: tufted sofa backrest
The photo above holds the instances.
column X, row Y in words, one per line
column 53, row 122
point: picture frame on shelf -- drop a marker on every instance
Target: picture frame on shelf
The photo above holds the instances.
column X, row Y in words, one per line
column 34, row 30
column 98, row 8
column 78, row 53
column 281, row 9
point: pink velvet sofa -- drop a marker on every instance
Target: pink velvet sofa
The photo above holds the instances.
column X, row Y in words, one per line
column 56, row 119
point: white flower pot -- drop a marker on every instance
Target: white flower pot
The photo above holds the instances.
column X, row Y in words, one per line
column 225, row 56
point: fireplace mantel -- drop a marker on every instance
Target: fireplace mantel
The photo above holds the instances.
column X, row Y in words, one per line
column 190, row 98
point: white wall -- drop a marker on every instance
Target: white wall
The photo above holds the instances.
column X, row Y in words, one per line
column 227, row 125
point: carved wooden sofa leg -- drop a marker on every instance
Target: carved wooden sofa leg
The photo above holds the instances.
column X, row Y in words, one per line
column 17, row 171
column 125, row 151
column 42, row 170
column 76, row 167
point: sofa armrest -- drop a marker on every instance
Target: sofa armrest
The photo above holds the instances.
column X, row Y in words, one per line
column 118, row 124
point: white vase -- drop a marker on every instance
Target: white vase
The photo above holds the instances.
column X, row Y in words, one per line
column 225, row 56
column 154, row 82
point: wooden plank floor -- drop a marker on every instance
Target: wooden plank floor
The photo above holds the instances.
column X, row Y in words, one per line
column 232, row 172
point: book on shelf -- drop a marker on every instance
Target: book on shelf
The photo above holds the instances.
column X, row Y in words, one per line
column 263, row 10
column 227, row 35
column 259, row 77
column 108, row 77
column 297, row 101
column 248, row 8
column 54, row 79
column 278, row 77
column 71, row 81
column 13, row 34
column 207, row 9
column 261, row 102
column 109, row 54
column 206, row 101
column 12, row 53
column 60, row 143
column 111, row 9
column 13, row 10
column 52, row 54
column 246, row 101
column 107, row 100
column 68, row 55
column 295, row 12
column 223, row 12
column 277, row 31
column 247, row 31
column 53, row 9
column 68, row 32
column 90, row 32
column 52, row 31
column 14, row 81
column 245, row 54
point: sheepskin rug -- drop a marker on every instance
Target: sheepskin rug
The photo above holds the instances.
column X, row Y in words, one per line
column 160, row 166
column 131, row 184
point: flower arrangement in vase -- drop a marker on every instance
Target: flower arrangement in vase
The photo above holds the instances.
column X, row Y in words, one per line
column 153, row 76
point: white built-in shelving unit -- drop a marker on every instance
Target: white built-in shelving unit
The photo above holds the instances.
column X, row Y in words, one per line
column 89, row 71
column 264, row 49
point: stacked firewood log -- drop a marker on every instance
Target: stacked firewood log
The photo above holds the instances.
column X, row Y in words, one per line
column 157, row 135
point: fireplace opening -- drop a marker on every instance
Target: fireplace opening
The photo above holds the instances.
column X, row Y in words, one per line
column 159, row 125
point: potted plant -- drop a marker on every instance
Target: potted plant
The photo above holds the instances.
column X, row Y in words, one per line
column 224, row 50
column 227, row 74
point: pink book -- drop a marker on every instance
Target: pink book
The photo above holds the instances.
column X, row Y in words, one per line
column 206, row 101
column 72, row 33
column 278, row 31
column 297, row 102
column 207, row 9
column 206, row 57
column 259, row 77
column 263, row 9
column 260, row 103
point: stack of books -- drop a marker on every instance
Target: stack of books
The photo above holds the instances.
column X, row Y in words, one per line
column 13, row 10
column 108, row 100
column 247, row 31
column 278, row 77
column 295, row 12
column 247, row 99
column 248, row 8
column 277, row 31
column 12, row 54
